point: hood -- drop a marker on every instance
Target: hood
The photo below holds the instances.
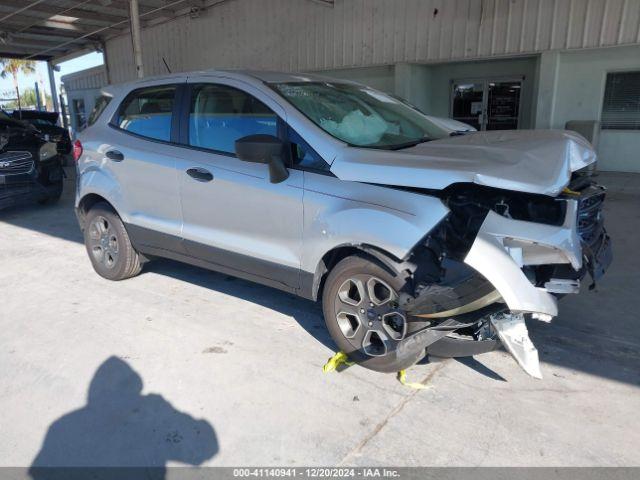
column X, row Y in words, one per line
column 51, row 117
column 450, row 125
column 533, row 161
column 17, row 137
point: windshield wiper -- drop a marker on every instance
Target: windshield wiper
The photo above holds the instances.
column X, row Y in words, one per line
column 410, row 144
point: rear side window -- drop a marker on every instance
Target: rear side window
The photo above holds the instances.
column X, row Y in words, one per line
column 147, row 112
column 220, row 115
column 101, row 103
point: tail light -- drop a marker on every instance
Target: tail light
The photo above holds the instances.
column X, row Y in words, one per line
column 77, row 150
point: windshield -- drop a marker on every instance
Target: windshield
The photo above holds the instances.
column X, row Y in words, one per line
column 42, row 122
column 360, row 116
column 7, row 120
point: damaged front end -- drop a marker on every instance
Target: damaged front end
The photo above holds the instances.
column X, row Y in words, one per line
column 497, row 257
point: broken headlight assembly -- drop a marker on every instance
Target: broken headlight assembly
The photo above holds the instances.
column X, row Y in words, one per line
column 497, row 256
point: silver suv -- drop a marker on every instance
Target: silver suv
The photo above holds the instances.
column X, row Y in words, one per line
column 416, row 235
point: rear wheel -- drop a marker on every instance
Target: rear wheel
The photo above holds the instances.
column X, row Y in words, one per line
column 108, row 245
column 360, row 305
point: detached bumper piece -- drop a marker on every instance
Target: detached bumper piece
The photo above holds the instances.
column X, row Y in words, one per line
column 514, row 335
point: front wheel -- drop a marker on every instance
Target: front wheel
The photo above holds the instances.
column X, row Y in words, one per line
column 108, row 245
column 362, row 314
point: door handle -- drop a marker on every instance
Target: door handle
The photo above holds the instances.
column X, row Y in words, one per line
column 115, row 155
column 200, row 174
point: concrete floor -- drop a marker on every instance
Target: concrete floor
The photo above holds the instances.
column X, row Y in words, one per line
column 231, row 374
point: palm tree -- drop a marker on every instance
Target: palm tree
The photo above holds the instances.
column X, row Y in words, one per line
column 11, row 66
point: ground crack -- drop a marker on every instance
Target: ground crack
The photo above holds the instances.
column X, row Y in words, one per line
column 392, row 414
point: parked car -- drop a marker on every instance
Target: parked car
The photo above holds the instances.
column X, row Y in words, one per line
column 339, row 193
column 47, row 123
column 30, row 167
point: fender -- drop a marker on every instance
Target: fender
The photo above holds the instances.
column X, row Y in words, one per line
column 93, row 180
column 382, row 221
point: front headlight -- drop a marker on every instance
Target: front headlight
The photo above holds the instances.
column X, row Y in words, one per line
column 48, row 150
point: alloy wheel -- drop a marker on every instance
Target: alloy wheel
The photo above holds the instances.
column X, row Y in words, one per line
column 103, row 242
column 367, row 313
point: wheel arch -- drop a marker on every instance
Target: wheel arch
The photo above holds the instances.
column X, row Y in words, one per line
column 86, row 203
column 331, row 258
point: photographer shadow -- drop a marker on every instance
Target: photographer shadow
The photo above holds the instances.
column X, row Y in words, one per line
column 121, row 433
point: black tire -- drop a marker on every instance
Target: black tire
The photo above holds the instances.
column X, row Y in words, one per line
column 351, row 335
column 108, row 245
column 52, row 198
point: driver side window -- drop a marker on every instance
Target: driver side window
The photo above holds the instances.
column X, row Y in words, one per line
column 220, row 115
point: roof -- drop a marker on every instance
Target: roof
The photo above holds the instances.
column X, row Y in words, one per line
column 57, row 30
column 285, row 77
column 259, row 75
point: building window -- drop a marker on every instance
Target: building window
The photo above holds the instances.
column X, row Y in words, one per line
column 621, row 109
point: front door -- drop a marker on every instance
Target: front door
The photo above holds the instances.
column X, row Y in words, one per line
column 233, row 216
column 487, row 104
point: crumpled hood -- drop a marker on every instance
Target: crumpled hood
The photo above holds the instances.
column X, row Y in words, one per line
column 534, row 161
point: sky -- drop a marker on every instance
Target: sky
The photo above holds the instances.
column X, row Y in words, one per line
column 71, row 66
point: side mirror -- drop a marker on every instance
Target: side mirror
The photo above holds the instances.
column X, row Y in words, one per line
column 267, row 149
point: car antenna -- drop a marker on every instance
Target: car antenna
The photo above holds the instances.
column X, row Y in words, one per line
column 165, row 64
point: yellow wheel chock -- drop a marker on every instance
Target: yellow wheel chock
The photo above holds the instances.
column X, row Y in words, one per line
column 340, row 358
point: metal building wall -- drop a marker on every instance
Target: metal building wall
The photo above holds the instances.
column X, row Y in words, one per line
column 303, row 35
column 95, row 77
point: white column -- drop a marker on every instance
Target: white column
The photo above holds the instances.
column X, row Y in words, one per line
column 136, row 37
column 548, row 67
column 52, row 86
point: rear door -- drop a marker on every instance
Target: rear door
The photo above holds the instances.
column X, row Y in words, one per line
column 233, row 216
column 138, row 152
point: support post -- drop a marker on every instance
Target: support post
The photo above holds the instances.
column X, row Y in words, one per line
column 548, row 66
column 105, row 59
column 136, row 38
column 52, row 86
column 38, row 101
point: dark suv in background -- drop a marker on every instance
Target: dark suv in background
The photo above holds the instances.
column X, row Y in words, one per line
column 30, row 166
column 47, row 124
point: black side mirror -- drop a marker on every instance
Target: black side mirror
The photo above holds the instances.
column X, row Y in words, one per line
column 267, row 149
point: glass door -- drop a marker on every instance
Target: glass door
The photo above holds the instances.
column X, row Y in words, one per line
column 503, row 105
column 468, row 103
column 487, row 104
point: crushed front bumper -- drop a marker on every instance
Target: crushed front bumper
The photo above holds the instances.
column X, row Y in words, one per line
column 504, row 247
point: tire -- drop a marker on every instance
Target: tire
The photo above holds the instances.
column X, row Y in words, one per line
column 53, row 198
column 368, row 338
column 108, row 245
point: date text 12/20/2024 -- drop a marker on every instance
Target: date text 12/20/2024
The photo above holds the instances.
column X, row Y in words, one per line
column 316, row 472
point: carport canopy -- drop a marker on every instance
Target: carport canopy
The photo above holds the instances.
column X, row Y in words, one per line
column 57, row 30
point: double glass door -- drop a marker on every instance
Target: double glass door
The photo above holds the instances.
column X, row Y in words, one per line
column 487, row 104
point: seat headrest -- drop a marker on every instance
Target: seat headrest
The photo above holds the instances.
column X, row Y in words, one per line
column 150, row 107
